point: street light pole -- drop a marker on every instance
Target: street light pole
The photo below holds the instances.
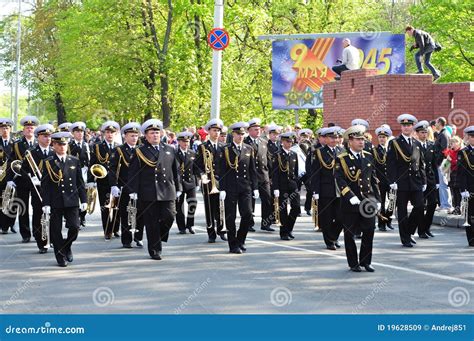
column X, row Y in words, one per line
column 217, row 62
column 17, row 73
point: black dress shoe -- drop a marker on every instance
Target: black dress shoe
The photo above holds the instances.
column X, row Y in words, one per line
column 108, row 236
column 4, row 231
column 407, row 244
column 223, row 237
column 182, row 232
column 26, row 240
column 267, row 228
column 423, row 236
column 430, row 234
column 291, row 236
column 382, row 228
column 116, row 234
column 331, row 247
column 236, row 251
column 43, row 250
column 62, row 262
column 211, row 240
column 243, row 248
column 139, row 243
column 190, row 229
column 83, row 223
column 369, row 268
column 127, row 246
column 389, row 225
column 285, row 238
column 356, row 268
column 69, row 256
column 12, row 229
column 358, row 236
column 308, row 212
column 412, row 240
column 156, row 255
column 251, row 229
column 337, row 245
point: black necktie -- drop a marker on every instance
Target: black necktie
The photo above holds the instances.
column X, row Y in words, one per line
column 30, row 143
column 5, row 143
column 45, row 152
column 409, row 142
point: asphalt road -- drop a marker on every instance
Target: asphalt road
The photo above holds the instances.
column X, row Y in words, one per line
column 274, row 276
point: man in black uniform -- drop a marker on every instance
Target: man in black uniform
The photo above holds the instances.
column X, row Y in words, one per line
column 80, row 149
column 432, row 180
column 357, row 183
column 189, row 181
column 238, row 180
column 466, row 181
column 285, row 185
column 154, row 181
column 64, row 126
column 406, row 174
column 101, row 153
column 324, row 189
column 23, row 190
column 6, row 221
column 208, row 160
column 64, row 194
column 118, row 176
column 33, row 176
column 260, row 148
column 304, row 145
column 368, row 147
column 380, row 156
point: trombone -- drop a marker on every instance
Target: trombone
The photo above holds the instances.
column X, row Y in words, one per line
column 36, row 172
column 208, row 159
column 465, row 210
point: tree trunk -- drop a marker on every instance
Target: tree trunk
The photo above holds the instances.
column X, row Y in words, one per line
column 60, row 110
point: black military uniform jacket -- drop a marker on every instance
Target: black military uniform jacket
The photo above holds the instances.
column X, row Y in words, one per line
column 81, row 151
column 62, row 185
column 39, row 158
column 5, row 152
column 273, row 148
column 380, row 156
column 100, row 154
column 431, row 169
column 121, row 156
column 188, row 170
column 154, row 175
column 216, row 156
column 322, row 171
column 466, row 169
column 405, row 164
column 356, row 178
column 285, row 171
column 237, row 170
column 17, row 153
column 261, row 158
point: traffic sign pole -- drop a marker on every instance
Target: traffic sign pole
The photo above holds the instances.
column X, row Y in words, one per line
column 217, row 63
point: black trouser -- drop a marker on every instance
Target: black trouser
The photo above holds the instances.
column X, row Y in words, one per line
column 456, row 196
column 113, row 224
column 407, row 224
column 470, row 220
column 329, row 218
column 352, row 222
column 82, row 217
column 211, row 208
column 63, row 245
column 182, row 221
column 244, row 201
column 158, row 219
column 37, row 213
column 126, row 234
column 339, row 68
column 22, row 205
column 431, row 201
column 266, row 202
column 288, row 219
column 384, row 190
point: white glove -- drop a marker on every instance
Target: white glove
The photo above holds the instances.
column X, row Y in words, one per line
column 465, row 194
column 178, row 194
column 316, row 196
column 379, row 206
column 354, row 201
column 91, row 185
column 35, row 181
column 394, row 186
column 424, row 188
column 133, row 196
column 46, row 209
column 222, row 195
column 83, row 206
column 276, row 193
column 256, row 194
column 204, row 178
column 11, row 184
column 115, row 191
column 437, row 186
column 198, row 188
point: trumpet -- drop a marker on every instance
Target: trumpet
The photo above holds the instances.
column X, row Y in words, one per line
column 208, row 159
column 276, row 210
column 314, row 211
column 45, row 234
column 392, row 202
column 465, row 210
column 99, row 172
column 132, row 215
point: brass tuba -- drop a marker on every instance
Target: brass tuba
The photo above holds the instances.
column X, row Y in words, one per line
column 99, row 172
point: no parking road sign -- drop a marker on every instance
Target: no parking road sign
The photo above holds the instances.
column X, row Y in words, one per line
column 218, row 39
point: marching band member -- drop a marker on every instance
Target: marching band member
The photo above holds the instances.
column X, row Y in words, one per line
column 23, row 189
column 368, row 147
column 6, row 221
column 406, row 174
column 223, row 135
column 273, row 144
column 260, row 149
column 304, row 144
column 430, row 195
column 189, row 181
column 238, row 180
column 357, row 182
column 466, row 181
column 65, row 127
column 207, row 160
column 324, row 189
column 80, row 149
column 101, row 153
column 380, row 156
column 285, row 185
column 118, row 176
column 64, row 194
column 155, row 183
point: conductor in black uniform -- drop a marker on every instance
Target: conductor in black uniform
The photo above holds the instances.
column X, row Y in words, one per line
column 360, row 197
column 154, row 181
column 64, row 195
